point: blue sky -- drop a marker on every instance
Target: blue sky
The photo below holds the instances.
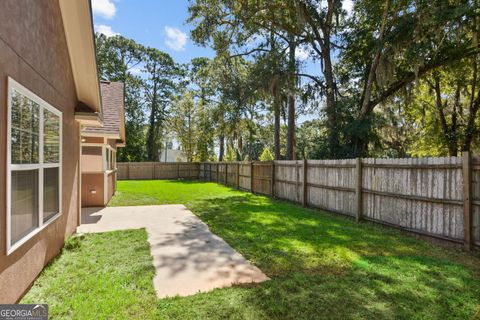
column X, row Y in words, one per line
column 155, row 23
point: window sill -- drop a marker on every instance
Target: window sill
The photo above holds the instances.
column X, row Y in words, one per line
column 32, row 234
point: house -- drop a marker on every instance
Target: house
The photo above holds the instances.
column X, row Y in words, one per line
column 99, row 148
column 49, row 89
column 172, row 155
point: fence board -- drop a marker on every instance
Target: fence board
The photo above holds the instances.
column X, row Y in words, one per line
column 262, row 178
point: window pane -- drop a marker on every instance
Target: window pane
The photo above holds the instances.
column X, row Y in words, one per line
column 25, row 129
column 51, row 134
column 51, row 190
column 24, row 197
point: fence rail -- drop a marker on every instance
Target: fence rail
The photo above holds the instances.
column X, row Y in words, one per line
column 438, row 197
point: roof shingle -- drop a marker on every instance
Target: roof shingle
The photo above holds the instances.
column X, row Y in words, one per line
column 112, row 107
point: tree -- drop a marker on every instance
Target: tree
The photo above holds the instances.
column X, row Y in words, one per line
column 389, row 47
column 183, row 122
column 116, row 59
column 161, row 82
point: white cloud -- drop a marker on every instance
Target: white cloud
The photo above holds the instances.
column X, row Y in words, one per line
column 136, row 71
column 301, row 54
column 104, row 8
column 347, row 5
column 106, row 30
column 176, row 39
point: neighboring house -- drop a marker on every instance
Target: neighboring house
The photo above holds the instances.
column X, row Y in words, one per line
column 49, row 88
column 99, row 148
column 172, row 155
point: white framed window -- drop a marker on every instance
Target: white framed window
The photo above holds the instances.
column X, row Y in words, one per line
column 110, row 159
column 34, row 164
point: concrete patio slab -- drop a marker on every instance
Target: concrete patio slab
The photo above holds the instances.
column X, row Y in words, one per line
column 188, row 257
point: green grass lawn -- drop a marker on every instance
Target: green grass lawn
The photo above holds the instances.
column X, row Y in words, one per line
column 321, row 265
column 99, row 276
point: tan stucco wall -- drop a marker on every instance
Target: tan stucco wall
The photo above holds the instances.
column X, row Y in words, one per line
column 92, row 181
column 93, row 177
column 33, row 51
column 93, row 161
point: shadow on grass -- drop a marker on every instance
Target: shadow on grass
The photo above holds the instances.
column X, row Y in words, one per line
column 326, row 266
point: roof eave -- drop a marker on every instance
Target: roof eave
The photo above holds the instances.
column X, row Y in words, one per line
column 89, row 119
column 79, row 33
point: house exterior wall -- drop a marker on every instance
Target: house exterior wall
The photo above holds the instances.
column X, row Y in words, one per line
column 95, row 177
column 111, row 185
column 33, row 51
column 92, row 159
column 92, row 182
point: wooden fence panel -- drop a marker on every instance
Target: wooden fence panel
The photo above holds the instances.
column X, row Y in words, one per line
column 140, row 170
column 423, row 195
column 331, row 185
column 221, row 172
column 244, row 177
column 122, row 170
column 232, row 174
column 262, row 177
column 287, row 180
column 157, row 170
column 166, row 171
column 202, row 171
column 476, row 199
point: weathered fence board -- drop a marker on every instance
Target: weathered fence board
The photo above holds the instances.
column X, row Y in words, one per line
column 476, row 199
column 425, row 195
column 417, row 194
column 331, row 185
column 262, row 178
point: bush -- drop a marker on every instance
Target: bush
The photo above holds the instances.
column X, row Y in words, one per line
column 266, row 155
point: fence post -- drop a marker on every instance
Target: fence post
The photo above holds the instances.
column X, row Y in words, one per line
column 154, row 173
column 178, row 170
column 238, row 175
column 304, row 193
column 226, row 174
column 128, row 170
column 467, row 199
column 273, row 180
column 251, row 177
column 358, row 189
column 218, row 172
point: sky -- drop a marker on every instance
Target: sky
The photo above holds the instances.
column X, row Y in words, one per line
column 154, row 23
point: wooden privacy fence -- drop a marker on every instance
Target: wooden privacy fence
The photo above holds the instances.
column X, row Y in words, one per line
column 157, row 170
column 437, row 197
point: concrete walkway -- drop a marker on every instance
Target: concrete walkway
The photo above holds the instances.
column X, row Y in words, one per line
column 188, row 257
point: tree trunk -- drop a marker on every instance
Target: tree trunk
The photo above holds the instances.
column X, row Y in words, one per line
column 361, row 138
column 151, row 148
column 222, row 147
column 276, row 113
column 331, row 108
column 291, row 101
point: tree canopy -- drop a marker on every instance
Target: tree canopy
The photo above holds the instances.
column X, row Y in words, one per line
column 390, row 78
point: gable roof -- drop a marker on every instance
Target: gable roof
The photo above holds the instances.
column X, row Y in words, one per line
column 113, row 113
